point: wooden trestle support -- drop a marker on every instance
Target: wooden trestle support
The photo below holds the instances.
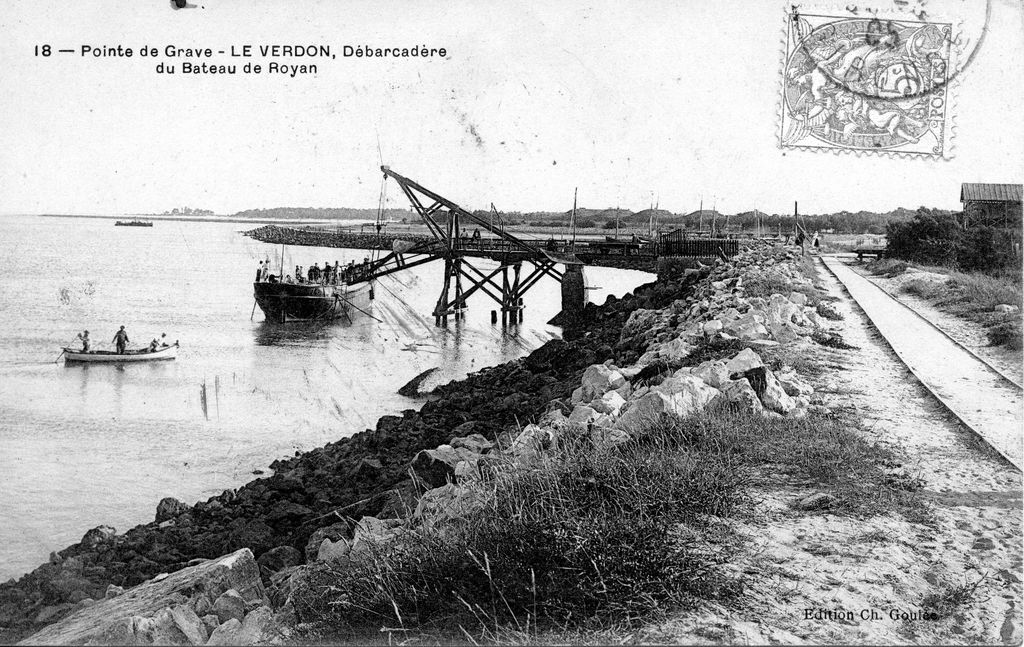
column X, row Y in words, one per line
column 509, row 251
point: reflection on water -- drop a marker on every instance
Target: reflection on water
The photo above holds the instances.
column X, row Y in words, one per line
column 86, row 444
column 297, row 332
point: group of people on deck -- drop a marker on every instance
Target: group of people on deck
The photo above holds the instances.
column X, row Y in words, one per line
column 326, row 275
column 121, row 341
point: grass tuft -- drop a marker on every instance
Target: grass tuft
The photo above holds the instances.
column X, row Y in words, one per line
column 602, row 537
column 950, row 599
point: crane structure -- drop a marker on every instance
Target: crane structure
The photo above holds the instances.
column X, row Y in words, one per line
column 456, row 249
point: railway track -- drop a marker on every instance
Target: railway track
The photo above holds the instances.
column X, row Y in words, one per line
column 985, row 400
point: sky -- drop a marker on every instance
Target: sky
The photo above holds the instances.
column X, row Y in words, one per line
column 629, row 103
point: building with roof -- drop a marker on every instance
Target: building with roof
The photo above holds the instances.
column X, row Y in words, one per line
column 991, row 205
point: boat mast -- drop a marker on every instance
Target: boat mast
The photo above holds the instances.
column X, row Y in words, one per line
column 572, row 218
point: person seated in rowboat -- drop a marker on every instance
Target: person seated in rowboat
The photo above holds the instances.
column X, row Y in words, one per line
column 288, row 278
column 158, row 343
column 84, row 336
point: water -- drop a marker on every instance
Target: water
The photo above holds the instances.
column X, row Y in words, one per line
column 83, row 445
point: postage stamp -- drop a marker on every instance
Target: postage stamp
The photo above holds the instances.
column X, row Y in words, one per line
column 867, row 84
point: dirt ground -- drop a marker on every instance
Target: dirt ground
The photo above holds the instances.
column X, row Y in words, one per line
column 952, row 577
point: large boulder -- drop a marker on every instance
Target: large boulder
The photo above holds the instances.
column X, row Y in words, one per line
column 713, row 372
column 333, row 532
column 740, row 393
column 713, row 327
column 583, row 415
column 190, row 625
column 640, row 321
column 475, row 443
column 743, row 361
column 99, row 535
column 610, row 403
column 436, row 466
column 604, row 437
column 676, row 396
column 597, row 380
column 690, row 393
column 330, row 551
column 146, row 613
column 229, row 604
column 258, row 628
column 748, row 326
column 532, row 439
column 279, row 558
column 769, row 391
column 674, row 350
column 447, row 502
column 169, row 508
column 793, row 385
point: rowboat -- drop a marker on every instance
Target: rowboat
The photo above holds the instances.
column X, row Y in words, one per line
column 109, row 356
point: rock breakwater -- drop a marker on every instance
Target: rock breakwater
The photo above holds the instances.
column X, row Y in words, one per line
column 362, row 475
column 629, row 361
column 321, row 238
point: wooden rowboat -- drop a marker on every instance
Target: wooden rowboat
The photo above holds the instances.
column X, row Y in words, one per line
column 143, row 355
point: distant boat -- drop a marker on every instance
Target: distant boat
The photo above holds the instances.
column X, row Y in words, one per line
column 133, row 223
column 108, row 356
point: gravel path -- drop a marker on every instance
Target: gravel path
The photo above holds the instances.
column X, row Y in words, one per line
column 969, row 334
column 979, row 396
column 874, row 573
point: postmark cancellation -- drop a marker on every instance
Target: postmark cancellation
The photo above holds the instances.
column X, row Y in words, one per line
column 867, row 84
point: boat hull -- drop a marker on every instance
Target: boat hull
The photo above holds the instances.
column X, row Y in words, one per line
column 107, row 357
column 284, row 302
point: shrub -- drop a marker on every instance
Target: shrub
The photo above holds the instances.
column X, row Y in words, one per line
column 934, row 237
column 1007, row 333
column 986, row 249
column 889, row 267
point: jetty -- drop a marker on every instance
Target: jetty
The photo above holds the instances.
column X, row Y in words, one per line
column 522, row 262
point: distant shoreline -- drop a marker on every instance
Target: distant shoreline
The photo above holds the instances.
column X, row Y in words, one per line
column 300, row 221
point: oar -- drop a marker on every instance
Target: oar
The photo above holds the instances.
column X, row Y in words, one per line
column 253, row 313
column 65, row 349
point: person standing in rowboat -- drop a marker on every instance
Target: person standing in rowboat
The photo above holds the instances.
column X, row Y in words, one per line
column 84, row 336
column 121, row 340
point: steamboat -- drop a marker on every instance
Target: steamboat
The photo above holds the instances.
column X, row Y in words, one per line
column 282, row 302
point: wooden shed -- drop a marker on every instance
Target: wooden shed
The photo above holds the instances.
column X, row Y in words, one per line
column 991, row 205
